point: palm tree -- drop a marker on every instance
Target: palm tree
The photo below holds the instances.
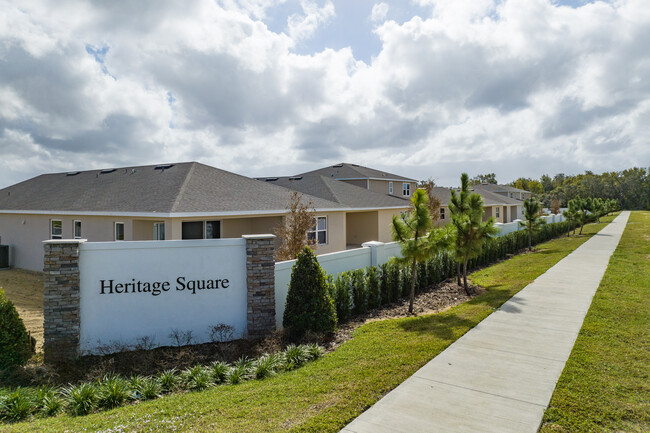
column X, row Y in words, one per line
column 410, row 231
column 471, row 230
column 533, row 222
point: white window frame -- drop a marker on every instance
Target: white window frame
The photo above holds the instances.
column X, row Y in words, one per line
column 390, row 187
column 315, row 230
column 406, row 189
column 115, row 224
column 52, row 235
column 442, row 213
column 74, row 227
column 156, row 231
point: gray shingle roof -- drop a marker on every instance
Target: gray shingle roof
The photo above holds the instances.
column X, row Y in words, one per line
column 500, row 188
column 181, row 188
column 489, row 198
column 339, row 192
column 354, row 171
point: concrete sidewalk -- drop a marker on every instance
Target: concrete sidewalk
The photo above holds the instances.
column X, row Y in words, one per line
column 500, row 376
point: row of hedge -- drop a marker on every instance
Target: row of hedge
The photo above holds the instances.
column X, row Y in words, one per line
column 355, row 292
column 112, row 390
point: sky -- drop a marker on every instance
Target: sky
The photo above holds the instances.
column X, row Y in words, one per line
column 420, row 88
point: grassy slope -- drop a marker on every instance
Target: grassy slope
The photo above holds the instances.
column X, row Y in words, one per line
column 605, row 386
column 325, row 395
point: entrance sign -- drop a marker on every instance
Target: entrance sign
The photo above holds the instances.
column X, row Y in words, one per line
column 153, row 289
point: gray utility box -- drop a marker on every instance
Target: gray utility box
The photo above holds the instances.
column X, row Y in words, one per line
column 4, row 256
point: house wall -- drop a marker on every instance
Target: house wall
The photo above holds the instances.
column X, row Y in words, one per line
column 385, row 219
column 336, row 233
column 381, row 187
column 361, row 227
column 358, row 182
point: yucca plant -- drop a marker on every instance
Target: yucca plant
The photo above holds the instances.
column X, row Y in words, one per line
column 294, row 356
column 48, row 400
column 237, row 374
column 266, row 366
column 82, row 399
column 17, row 405
column 148, row 389
column 314, row 351
column 114, row 391
column 168, row 380
column 196, row 378
column 219, row 371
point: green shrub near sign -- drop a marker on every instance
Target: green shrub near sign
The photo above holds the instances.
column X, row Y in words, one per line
column 15, row 345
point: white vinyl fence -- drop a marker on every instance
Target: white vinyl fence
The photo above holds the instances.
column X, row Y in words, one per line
column 371, row 254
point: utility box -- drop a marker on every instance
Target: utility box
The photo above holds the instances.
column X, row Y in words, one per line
column 4, row 256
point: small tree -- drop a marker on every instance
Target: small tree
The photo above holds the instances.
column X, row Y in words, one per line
column 471, row 230
column 532, row 220
column 292, row 234
column 555, row 206
column 410, row 231
column 434, row 202
column 15, row 345
column 309, row 306
column 458, row 206
column 571, row 215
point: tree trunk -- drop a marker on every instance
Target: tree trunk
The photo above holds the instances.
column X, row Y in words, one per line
column 530, row 240
column 581, row 229
column 412, row 287
column 465, row 277
column 458, row 273
column 568, row 230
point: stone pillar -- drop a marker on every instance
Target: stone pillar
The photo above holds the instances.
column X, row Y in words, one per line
column 260, row 280
column 61, row 300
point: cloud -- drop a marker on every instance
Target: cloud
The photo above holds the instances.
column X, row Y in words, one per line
column 514, row 86
column 379, row 12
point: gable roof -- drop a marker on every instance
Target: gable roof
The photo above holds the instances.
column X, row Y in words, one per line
column 489, row 198
column 339, row 192
column 188, row 187
column 499, row 188
column 354, row 171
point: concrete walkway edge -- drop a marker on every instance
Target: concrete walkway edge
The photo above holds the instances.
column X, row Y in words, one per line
column 499, row 377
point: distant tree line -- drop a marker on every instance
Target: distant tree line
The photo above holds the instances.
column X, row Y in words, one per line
column 630, row 188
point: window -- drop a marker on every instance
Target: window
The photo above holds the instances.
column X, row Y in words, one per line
column 201, row 230
column 442, row 213
column 318, row 231
column 56, row 229
column 497, row 211
column 119, row 231
column 406, row 189
column 390, row 187
column 212, row 229
column 76, row 229
column 158, row 231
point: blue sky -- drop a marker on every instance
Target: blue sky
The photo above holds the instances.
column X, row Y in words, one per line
column 426, row 88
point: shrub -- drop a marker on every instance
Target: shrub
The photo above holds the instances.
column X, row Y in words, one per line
column 114, row 391
column 16, row 406
column 196, row 378
column 168, row 380
column 314, row 351
column 373, row 283
column 148, row 389
column 237, row 374
column 295, row 356
column 219, row 371
column 359, row 291
column 82, row 399
column 342, row 298
column 266, row 366
column 309, row 306
column 15, row 346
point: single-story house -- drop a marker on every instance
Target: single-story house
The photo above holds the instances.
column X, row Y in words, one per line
column 170, row 201
column 502, row 208
column 378, row 181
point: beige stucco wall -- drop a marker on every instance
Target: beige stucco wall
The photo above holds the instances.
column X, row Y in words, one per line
column 236, row 227
column 382, row 187
column 361, row 227
column 335, row 233
column 385, row 223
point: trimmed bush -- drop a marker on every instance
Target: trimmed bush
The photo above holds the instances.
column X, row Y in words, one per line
column 373, row 283
column 309, row 307
column 359, row 291
column 15, row 347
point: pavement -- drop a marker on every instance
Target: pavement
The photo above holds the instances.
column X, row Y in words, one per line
column 500, row 376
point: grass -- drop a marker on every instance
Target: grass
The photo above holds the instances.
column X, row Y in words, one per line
column 605, row 386
column 326, row 394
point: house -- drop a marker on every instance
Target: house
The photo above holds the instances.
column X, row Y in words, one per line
column 368, row 213
column 505, row 190
column 369, row 178
column 502, row 208
column 169, row 202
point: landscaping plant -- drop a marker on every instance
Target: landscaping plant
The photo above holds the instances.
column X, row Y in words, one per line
column 15, row 347
column 532, row 219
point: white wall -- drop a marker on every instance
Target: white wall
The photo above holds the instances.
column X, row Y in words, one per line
column 126, row 317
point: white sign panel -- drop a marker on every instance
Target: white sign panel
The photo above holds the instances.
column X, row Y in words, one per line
column 153, row 289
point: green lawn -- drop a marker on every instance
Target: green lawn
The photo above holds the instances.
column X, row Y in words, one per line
column 326, row 394
column 605, row 386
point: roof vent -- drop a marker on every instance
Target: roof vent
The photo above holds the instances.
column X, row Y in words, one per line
column 338, row 166
column 354, row 165
column 107, row 170
column 271, row 179
column 163, row 166
column 72, row 173
column 295, row 178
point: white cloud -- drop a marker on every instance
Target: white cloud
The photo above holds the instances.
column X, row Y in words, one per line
column 379, row 12
column 516, row 87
